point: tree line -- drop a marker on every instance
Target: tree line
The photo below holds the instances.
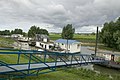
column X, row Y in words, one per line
column 8, row 32
column 67, row 32
column 110, row 34
column 31, row 33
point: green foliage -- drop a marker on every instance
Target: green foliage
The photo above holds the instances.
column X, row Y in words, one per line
column 17, row 31
column 68, row 32
column 36, row 30
column 5, row 32
column 110, row 34
column 92, row 33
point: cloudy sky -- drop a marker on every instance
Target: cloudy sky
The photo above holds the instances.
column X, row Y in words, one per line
column 53, row 15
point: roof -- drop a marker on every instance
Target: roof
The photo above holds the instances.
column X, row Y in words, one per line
column 64, row 41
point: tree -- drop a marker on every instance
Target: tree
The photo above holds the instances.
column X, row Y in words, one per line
column 110, row 34
column 68, row 32
column 36, row 30
column 32, row 31
column 17, row 31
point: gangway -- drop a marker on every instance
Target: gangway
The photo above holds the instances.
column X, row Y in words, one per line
column 35, row 64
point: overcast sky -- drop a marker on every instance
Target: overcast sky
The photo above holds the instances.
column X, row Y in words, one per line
column 53, row 15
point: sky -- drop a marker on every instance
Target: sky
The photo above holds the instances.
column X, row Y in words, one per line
column 53, row 15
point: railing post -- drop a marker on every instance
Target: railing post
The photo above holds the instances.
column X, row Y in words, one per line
column 55, row 61
column 29, row 63
column 45, row 57
column 18, row 61
column 71, row 58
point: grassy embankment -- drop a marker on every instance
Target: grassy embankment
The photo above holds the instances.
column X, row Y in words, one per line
column 6, row 42
column 73, row 74
column 82, row 38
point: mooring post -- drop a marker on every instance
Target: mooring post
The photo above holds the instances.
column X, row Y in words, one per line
column 96, row 41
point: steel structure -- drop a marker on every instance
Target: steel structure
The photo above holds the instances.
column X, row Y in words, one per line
column 39, row 65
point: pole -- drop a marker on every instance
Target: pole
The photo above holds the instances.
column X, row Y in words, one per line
column 67, row 45
column 96, row 41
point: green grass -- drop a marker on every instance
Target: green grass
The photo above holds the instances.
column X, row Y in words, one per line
column 6, row 42
column 72, row 74
column 82, row 38
column 54, row 36
column 12, row 58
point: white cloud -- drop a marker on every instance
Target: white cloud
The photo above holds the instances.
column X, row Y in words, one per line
column 57, row 13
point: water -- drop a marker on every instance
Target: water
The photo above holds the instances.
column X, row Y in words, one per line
column 84, row 50
column 100, row 69
column 106, row 70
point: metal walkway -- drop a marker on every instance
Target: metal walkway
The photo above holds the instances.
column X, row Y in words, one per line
column 36, row 64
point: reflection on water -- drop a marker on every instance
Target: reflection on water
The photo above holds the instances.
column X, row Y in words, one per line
column 105, row 70
column 85, row 50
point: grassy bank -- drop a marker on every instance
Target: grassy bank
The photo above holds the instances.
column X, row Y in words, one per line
column 82, row 38
column 6, row 42
column 73, row 74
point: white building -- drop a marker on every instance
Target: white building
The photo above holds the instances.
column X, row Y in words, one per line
column 70, row 46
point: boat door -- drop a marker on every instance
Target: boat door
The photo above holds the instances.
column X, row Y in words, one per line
column 112, row 57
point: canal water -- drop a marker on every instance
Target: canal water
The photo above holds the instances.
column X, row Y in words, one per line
column 84, row 50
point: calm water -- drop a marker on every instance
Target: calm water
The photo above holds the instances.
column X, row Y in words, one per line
column 97, row 68
column 84, row 50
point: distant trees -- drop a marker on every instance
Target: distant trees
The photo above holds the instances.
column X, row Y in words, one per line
column 68, row 32
column 31, row 33
column 92, row 33
column 36, row 30
column 16, row 31
column 5, row 32
column 110, row 34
